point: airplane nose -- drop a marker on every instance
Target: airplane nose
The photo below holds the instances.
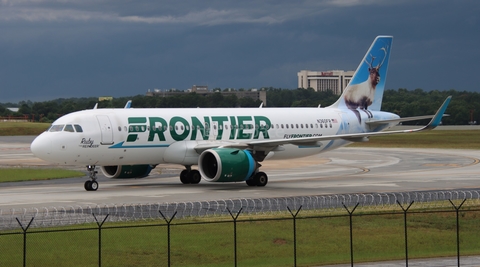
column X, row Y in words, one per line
column 41, row 147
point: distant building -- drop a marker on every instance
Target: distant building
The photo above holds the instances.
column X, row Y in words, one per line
column 203, row 90
column 332, row 80
column 105, row 98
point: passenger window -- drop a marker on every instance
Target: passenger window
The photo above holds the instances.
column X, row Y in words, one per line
column 68, row 128
column 286, row 125
column 311, row 126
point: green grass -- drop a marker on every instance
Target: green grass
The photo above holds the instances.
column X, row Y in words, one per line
column 22, row 128
column 259, row 243
column 456, row 139
column 34, row 174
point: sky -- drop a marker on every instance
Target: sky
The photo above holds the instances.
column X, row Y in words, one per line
column 87, row 48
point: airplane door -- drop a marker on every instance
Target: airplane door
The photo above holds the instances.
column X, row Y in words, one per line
column 214, row 130
column 106, row 129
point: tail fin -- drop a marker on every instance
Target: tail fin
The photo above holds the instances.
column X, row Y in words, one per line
column 365, row 90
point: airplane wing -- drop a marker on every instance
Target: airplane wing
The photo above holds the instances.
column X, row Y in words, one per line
column 312, row 141
column 380, row 122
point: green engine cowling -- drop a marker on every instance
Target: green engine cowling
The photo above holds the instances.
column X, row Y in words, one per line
column 226, row 165
column 127, row 171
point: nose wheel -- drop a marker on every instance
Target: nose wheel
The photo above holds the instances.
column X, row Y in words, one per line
column 91, row 185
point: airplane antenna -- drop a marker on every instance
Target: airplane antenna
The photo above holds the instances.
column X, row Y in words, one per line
column 319, row 105
column 96, row 105
column 261, row 105
column 129, row 104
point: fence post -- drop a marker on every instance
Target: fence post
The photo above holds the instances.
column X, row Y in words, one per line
column 458, row 229
column 405, row 210
column 100, row 238
column 168, row 232
column 235, row 232
column 350, row 213
column 24, row 239
column 294, row 234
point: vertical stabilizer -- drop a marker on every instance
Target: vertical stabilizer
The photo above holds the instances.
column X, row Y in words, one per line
column 365, row 90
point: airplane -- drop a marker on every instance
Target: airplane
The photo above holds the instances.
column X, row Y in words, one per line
column 227, row 144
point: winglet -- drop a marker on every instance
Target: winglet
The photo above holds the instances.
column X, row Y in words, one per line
column 438, row 115
column 129, row 104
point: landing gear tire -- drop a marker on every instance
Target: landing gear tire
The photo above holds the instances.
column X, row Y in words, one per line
column 260, row 179
column 195, row 177
column 91, row 185
column 88, row 185
column 251, row 182
column 190, row 177
column 184, row 177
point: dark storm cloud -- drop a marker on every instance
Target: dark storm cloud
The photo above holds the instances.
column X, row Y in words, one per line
column 53, row 49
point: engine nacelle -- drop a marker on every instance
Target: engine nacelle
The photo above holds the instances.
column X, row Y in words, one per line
column 226, row 165
column 127, row 171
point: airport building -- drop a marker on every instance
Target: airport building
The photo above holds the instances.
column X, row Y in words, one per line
column 332, row 80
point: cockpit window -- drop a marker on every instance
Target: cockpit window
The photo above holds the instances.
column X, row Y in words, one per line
column 78, row 128
column 56, row 128
column 69, row 128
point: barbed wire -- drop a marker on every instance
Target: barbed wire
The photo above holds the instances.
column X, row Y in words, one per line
column 76, row 214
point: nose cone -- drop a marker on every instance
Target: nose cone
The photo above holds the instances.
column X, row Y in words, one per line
column 41, row 147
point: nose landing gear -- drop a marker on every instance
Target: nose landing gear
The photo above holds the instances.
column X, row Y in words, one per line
column 91, row 185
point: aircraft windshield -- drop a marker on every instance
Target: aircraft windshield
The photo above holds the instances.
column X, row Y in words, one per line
column 66, row 128
column 56, row 128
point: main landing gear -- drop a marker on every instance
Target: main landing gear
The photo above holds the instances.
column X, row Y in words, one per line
column 91, row 185
column 189, row 176
column 258, row 179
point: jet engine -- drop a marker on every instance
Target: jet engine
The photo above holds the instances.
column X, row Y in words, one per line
column 226, row 165
column 127, row 171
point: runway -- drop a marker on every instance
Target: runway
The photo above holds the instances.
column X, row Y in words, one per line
column 342, row 171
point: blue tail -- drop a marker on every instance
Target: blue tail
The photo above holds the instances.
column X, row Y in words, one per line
column 365, row 90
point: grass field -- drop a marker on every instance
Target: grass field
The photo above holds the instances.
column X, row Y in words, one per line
column 267, row 242
column 455, row 139
column 22, row 128
column 35, row 174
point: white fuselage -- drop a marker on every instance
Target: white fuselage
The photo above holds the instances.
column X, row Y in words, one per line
column 143, row 136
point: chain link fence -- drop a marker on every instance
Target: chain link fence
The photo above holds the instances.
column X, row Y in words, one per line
column 74, row 215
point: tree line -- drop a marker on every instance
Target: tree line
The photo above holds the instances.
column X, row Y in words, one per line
column 464, row 107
